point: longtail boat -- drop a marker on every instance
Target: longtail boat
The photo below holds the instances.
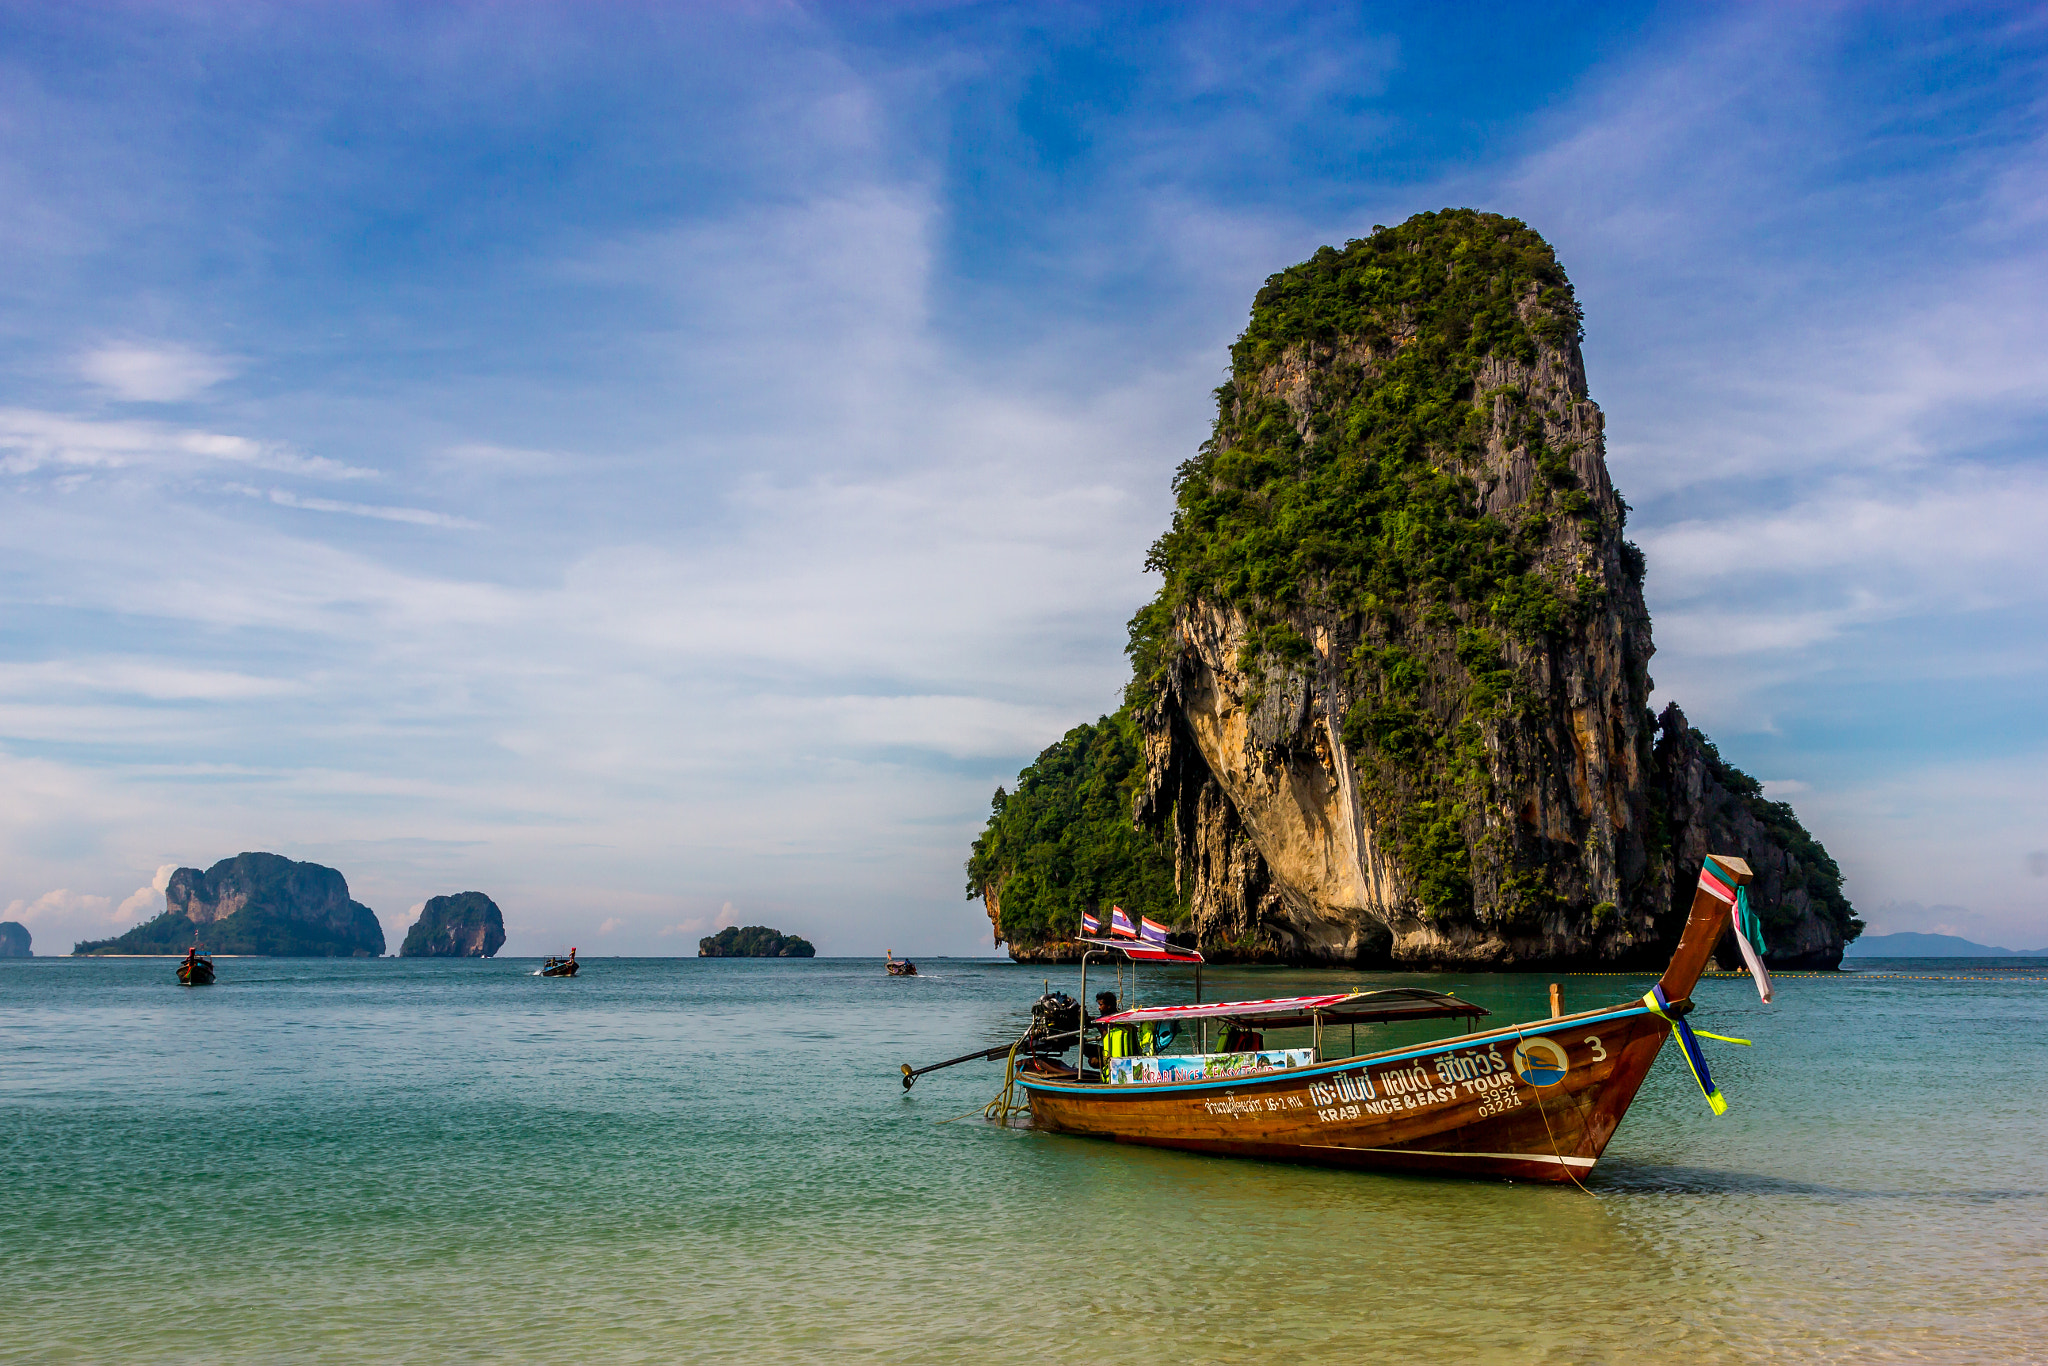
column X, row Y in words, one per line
column 899, row 967
column 560, row 967
column 1533, row 1101
column 195, row 970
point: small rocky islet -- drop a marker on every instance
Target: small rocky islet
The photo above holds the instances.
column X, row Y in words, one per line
column 14, row 940
column 754, row 941
column 465, row 925
column 1391, row 705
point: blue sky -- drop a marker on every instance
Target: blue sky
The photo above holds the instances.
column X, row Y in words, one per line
column 663, row 467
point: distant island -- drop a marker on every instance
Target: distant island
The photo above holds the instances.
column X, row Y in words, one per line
column 14, row 940
column 754, row 941
column 466, row 925
column 1910, row 945
column 262, row 904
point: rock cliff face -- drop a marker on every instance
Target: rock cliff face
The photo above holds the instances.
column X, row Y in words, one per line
column 1712, row 806
column 14, row 940
column 466, row 925
column 255, row 904
column 1394, row 691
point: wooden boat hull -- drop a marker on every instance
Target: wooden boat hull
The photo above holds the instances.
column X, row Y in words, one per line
column 560, row 970
column 201, row 976
column 1493, row 1103
column 1536, row 1101
column 902, row 969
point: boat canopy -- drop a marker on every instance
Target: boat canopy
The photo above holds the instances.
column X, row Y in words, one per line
column 1287, row 1012
column 1144, row 951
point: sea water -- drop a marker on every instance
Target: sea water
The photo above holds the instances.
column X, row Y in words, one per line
column 668, row 1160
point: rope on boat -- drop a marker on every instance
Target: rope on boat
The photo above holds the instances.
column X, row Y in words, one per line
column 1552, row 1133
column 1005, row 1104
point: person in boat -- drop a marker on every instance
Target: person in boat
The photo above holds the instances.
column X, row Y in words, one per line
column 1118, row 1041
column 191, row 958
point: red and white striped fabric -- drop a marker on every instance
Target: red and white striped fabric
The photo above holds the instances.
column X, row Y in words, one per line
column 1716, row 883
column 1150, row 930
column 1713, row 886
column 1120, row 923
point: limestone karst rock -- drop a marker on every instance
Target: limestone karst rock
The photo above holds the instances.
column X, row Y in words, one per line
column 14, row 940
column 754, row 941
column 255, row 904
column 465, row 925
column 1394, row 691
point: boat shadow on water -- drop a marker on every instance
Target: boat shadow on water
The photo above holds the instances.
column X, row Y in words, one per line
column 1642, row 1178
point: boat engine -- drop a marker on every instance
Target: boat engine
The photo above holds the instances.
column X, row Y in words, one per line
column 1053, row 1014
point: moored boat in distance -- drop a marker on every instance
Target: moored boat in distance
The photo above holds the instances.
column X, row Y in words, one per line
column 1535, row 1101
column 560, row 967
column 899, row 967
column 195, row 969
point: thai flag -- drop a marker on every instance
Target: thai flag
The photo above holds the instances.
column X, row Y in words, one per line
column 1090, row 924
column 1120, row 923
column 1151, row 931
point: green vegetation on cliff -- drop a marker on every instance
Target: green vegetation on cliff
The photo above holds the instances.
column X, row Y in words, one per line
column 1371, row 508
column 754, row 941
column 1365, row 510
column 259, row 931
column 1064, row 842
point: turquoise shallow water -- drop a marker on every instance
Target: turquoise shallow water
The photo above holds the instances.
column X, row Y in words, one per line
column 713, row 1160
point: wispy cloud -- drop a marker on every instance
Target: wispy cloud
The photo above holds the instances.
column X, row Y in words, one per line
column 31, row 441
column 414, row 516
column 153, row 374
column 156, row 680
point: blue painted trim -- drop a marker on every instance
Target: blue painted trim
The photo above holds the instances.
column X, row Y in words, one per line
column 1160, row 1088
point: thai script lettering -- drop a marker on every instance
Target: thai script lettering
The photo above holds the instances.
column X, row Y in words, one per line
column 1240, row 1106
column 1469, row 1065
column 1345, row 1086
column 1402, row 1081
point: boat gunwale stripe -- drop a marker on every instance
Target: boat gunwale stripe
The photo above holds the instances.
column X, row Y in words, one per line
column 1433, row 1152
column 1155, row 1088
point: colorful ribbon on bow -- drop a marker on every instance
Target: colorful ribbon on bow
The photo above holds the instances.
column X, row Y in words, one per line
column 1694, row 1059
column 1718, row 883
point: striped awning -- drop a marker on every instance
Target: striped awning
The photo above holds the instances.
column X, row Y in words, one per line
column 1348, row 1007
